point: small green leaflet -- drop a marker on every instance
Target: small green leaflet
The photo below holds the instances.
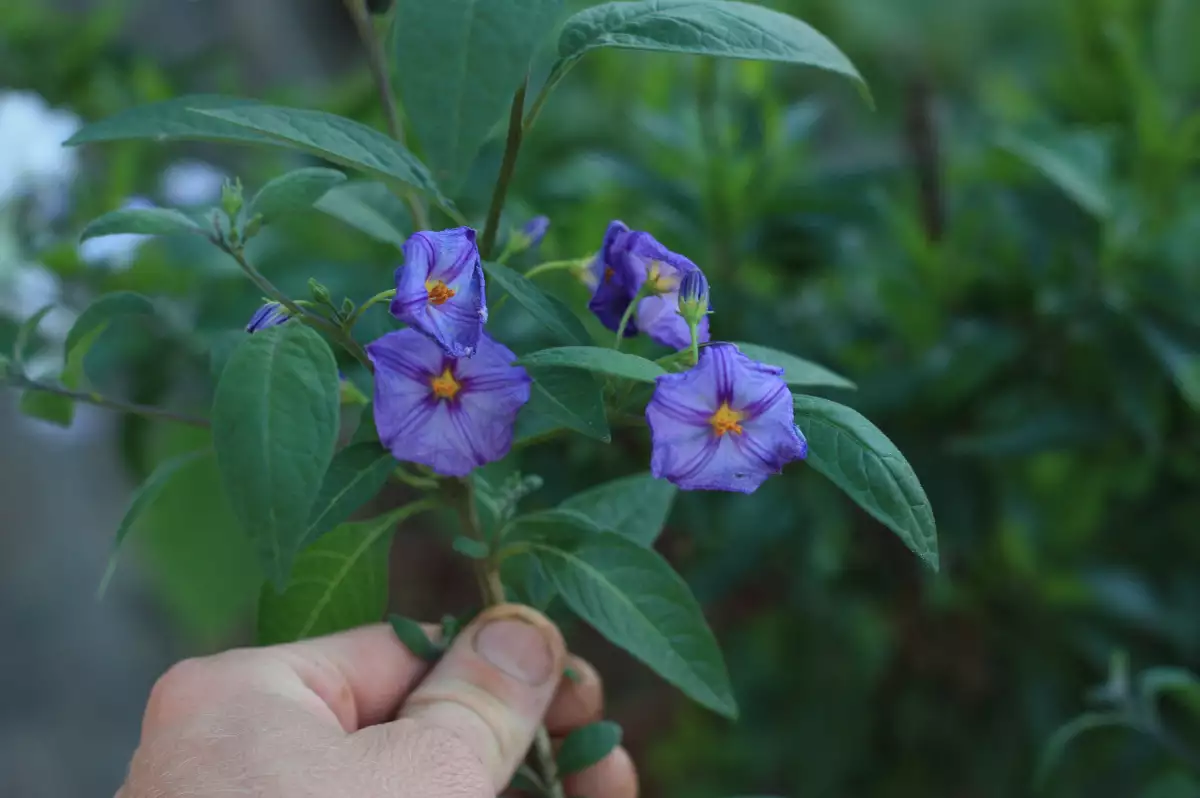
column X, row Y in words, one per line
column 562, row 398
column 1178, row 350
column 587, row 745
column 335, row 138
column 92, row 323
column 26, row 331
column 458, row 63
column 596, row 359
column 356, row 474
column 369, row 208
column 859, row 459
column 1077, row 162
column 634, row 598
column 635, row 507
column 172, row 120
column 292, row 192
column 796, row 370
column 48, row 407
column 1056, row 746
column 143, row 498
column 547, row 310
column 701, row 27
column 340, row 582
column 275, row 423
column 144, row 221
column 471, row 548
column 414, row 638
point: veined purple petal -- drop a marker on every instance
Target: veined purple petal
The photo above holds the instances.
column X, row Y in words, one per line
column 440, row 289
column 271, row 314
column 451, row 434
column 614, row 288
column 658, row 317
column 726, row 424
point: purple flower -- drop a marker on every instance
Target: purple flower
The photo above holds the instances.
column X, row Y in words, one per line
column 612, row 291
column 726, row 424
column 535, row 230
column 271, row 314
column 451, row 414
column 439, row 289
column 630, row 260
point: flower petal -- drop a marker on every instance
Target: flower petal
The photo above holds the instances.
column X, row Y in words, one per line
column 658, row 317
column 614, row 289
column 450, row 257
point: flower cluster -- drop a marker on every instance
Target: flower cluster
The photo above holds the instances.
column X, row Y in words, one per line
column 447, row 395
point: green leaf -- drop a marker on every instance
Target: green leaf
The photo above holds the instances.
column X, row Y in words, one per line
column 596, row 359
column 1179, row 354
column 859, row 459
column 702, row 27
column 633, row 597
column 1056, row 746
column 413, row 636
column 635, row 507
column 144, row 221
column 547, row 310
column 92, row 323
column 275, row 423
column 143, row 498
column 369, row 208
column 26, row 331
column 1154, row 682
column 458, row 63
column 469, row 547
column 172, row 120
column 796, row 370
column 49, row 407
column 355, row 476
column 587, row 745
column 1077, row 162
column 335, row 138
column 338, row 583
column 563, row 399
column 293, row 192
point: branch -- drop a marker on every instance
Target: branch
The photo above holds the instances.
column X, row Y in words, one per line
column 516, row 131
column 96, row 399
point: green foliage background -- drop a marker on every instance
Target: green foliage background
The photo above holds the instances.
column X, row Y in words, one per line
column 1003, row 256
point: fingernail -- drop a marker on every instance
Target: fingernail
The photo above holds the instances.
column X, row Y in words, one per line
column 517, row 648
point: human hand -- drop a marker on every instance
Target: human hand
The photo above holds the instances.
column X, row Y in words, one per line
column 357, row 715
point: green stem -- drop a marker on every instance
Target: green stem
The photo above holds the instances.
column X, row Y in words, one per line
column 557, row 73
column 378, row 63
column 24, row 383
column 629, row 311
column 553, row 265
column 308, row 316
column 382, row 296
column 512, row 148
column 487, row 572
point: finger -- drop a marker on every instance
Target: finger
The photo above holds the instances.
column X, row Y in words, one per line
column 612, row 777
column 493, row 686
column 355, row 678
column 577, row 703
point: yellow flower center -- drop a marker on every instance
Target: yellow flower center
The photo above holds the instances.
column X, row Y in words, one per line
column 445, row 386
column 439, row 292
column 608, row 274
column 659, row 282
column 726, row 419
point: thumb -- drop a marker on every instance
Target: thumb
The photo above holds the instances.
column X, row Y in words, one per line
column 493, row 686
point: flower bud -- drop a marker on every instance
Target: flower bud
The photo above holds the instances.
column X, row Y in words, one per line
column 231, row 197
column 269, row 315
column 535, row 230
column 693, row 297
column 319, row 293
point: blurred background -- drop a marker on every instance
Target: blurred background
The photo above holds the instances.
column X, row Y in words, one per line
column 1004, row 255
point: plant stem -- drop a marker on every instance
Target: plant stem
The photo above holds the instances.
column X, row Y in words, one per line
column 378, row 63
column 18, row 381
column 512, row 148
column 382, row 296
column 314, row 319
column 628, row 314
column 488, row 575
column 553, row 265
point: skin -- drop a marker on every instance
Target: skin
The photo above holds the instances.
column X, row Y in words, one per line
column 356, row 715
